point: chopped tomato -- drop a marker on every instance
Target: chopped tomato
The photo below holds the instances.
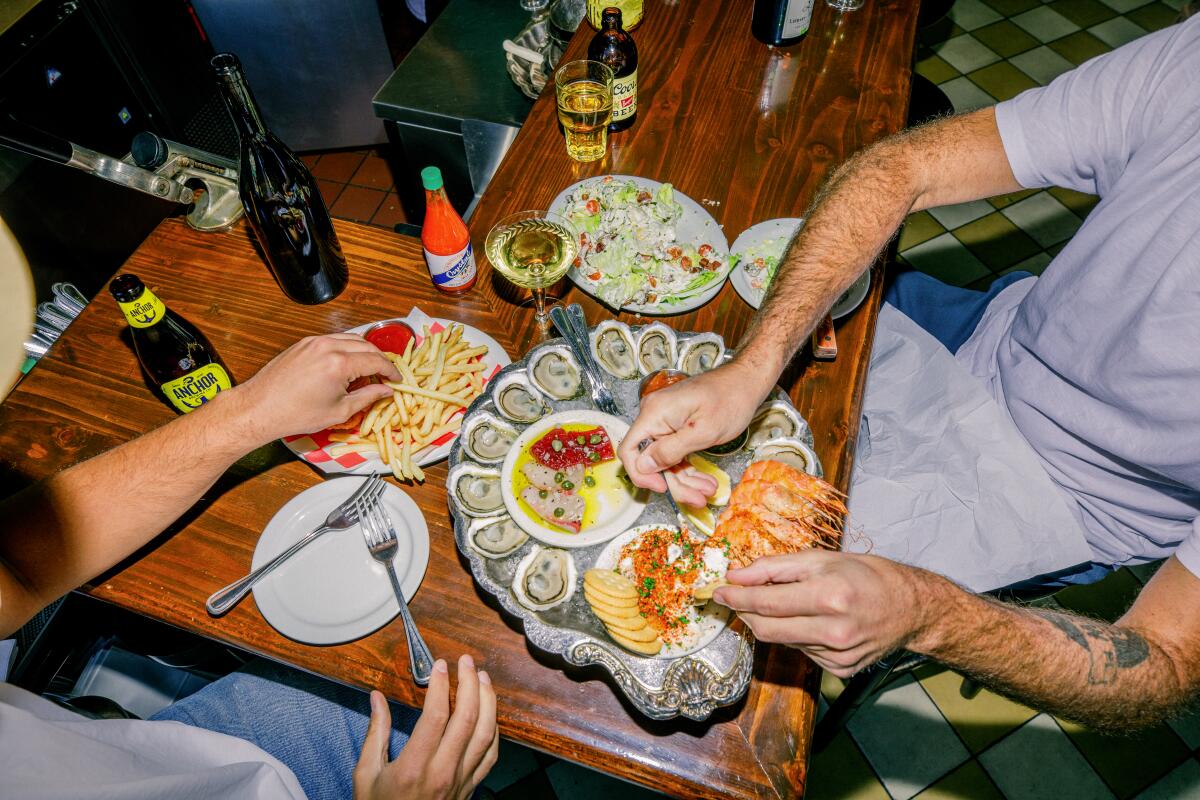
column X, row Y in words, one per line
column 705, row 249
column 653, row 280
column 578, row 262
column 594, row 276
column 685, row 262
column 704, row 263
column 643, row 197
column 599, row 247
column 674, row 252
column 714, row 265
column 592, row 206
column 608, row 179
column 652, row 298
column 582, row 238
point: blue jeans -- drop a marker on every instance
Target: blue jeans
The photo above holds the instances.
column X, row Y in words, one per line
column 950, row 314
column 314, row 726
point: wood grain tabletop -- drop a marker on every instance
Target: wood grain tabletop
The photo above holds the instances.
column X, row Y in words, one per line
column 748, row 131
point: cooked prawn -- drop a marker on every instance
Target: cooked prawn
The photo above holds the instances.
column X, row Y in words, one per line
column 777, row 509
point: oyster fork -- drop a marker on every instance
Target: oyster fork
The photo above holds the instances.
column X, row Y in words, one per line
column 574, row 330
column 380, row 536
column 346, row 514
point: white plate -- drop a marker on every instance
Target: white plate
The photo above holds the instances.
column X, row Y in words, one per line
column 756, row 236
column 617, row 519
column 312, row 447
column 713, row 617
column 333, row 591
column 696, row 226
column 782, row 230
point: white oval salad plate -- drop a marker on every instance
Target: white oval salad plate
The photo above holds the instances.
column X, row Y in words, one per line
column 757, row 251
column 644, row 247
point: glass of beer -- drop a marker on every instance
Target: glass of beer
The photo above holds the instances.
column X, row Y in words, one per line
column 533, row 250
column 585, row 103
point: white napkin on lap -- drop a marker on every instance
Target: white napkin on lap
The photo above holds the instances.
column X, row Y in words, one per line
column 942, row 477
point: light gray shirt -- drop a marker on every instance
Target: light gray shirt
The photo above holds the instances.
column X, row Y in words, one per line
column 1098, row 361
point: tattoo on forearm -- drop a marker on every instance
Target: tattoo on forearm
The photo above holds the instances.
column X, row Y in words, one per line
column 1110, row 649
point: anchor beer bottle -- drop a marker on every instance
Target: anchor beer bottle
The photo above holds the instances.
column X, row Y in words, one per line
column 176, row 357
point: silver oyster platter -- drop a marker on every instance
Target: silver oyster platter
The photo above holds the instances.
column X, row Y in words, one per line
column 501, row 552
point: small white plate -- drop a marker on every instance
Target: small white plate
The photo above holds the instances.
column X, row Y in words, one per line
column 772, row 231
column 781, row 231
column 312, row 448
column 713, row 617
column 333, row 591
column 695, row 226
column 616, row 519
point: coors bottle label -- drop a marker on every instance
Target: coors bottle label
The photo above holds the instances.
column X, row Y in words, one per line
column 624, row 97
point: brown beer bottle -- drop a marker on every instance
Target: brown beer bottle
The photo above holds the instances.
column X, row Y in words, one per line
column 176, row 357
column 614, row 47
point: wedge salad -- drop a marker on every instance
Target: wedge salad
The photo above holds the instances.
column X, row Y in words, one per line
column 629, row 252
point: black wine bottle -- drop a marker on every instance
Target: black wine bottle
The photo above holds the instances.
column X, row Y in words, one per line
column 781, row 22
column 282, row 202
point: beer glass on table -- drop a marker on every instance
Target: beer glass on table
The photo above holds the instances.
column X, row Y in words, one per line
column 533, row 250
column 585, row 104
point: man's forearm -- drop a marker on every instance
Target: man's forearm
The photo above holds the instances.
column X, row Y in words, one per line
column 1109, row 676
column 859, row 210
column 61, row 532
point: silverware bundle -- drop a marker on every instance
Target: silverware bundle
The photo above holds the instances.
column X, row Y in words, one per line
column 53, row 318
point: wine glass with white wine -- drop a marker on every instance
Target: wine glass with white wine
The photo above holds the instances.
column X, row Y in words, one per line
column 533, row 250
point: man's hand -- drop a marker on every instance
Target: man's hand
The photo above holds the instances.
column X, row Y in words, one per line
column 306, row 388
column 843, row 611
column 689, row 416
column 447, row 755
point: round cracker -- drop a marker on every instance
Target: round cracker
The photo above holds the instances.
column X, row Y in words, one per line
column 610, row 583
column 641, row 648
column 645, row 634
column 618, row 607
column 635, row 622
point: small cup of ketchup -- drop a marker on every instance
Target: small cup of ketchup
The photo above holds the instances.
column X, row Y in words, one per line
column 390, row 336
column 660, row 379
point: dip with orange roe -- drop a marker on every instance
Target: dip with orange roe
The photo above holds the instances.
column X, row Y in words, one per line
column 666, row 566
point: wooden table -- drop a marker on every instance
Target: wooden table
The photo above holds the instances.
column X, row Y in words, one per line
column 746, row 130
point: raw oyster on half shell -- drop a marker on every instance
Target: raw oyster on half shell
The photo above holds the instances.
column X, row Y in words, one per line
column 545, row 578
column 475, row 490
column 612, row 347
column 553, row 369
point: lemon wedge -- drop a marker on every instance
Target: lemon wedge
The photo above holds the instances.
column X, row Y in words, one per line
column 723, row 484
column 702, row 519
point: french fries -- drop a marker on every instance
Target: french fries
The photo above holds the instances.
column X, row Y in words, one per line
column 441, row 376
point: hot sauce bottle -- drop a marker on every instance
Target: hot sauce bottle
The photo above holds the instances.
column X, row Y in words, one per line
column 445, row 238
column 614, row 47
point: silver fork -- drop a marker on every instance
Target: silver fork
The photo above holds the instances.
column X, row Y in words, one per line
column 345, row 515
column 380, row 536
column 573, row 327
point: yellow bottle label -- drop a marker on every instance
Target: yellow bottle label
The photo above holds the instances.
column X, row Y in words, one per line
column 631, row 12
column 624, row 97
column 147, row 310
column 197, row 387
